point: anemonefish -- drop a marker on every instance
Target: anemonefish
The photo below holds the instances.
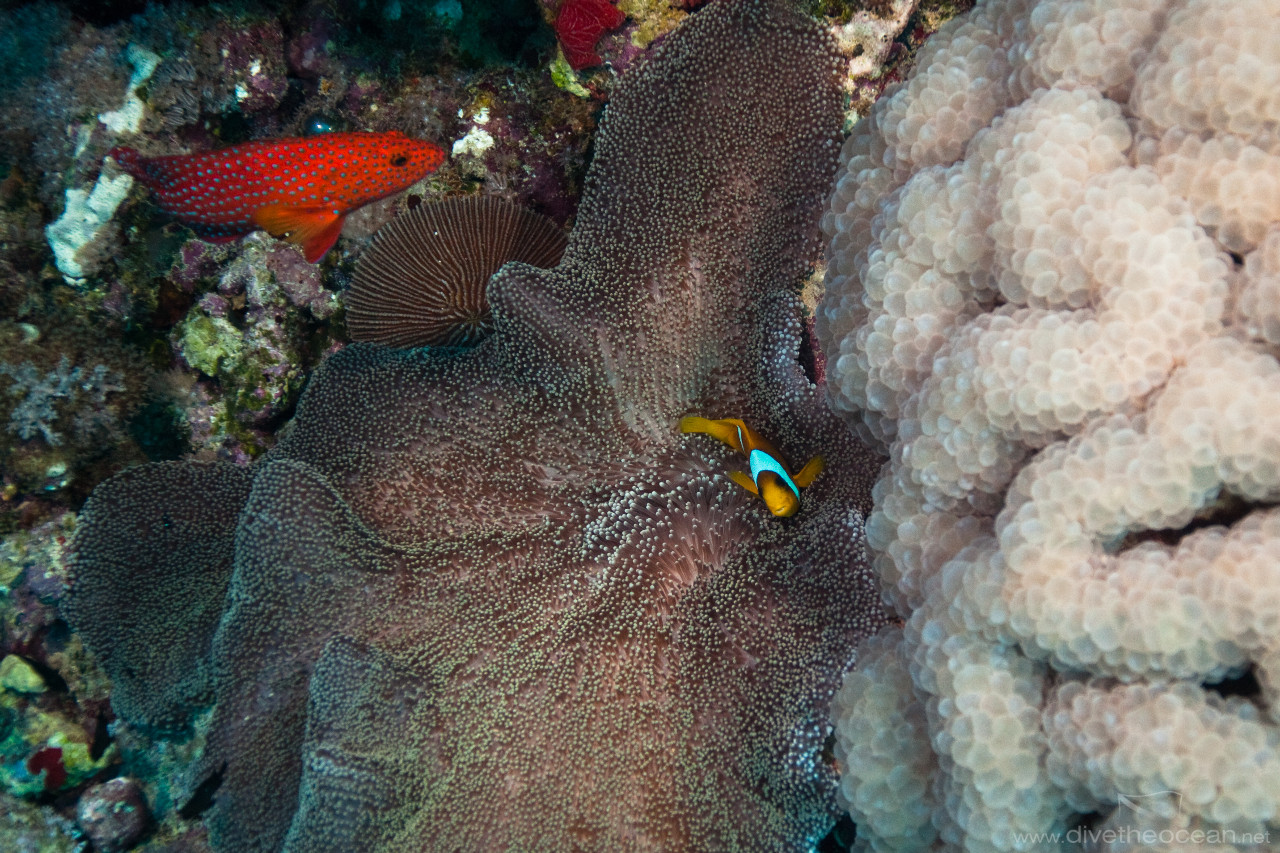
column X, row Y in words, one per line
column 300, row 189
column 768, row 478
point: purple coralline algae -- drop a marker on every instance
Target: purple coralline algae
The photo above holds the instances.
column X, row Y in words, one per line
column 253, row 333
column 494, row 599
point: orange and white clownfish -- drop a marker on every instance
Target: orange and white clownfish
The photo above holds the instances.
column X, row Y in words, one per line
column 769, row 478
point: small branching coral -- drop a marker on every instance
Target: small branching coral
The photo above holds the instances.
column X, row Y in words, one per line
column 40, row 395
column 493, row 599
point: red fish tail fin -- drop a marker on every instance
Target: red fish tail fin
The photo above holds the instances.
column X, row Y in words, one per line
column 129, row 160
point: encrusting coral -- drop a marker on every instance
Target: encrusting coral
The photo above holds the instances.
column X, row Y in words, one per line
column 493, row 599
column 1036, row 301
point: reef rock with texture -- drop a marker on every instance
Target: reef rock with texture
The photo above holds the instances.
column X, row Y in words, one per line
column 1053, row 263
column 492, row 599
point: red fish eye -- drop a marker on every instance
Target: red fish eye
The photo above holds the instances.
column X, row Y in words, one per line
column 399, row 160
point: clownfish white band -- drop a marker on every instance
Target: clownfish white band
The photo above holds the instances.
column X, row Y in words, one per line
column 761, row 462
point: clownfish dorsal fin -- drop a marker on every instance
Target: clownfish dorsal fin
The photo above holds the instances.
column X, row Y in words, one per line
column 315, row 229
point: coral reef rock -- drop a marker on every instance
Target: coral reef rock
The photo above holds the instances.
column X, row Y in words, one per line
column 493, row 599
column 113, row 815
column 1051, row 297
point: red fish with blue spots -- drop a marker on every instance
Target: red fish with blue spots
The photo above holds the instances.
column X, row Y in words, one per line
column 299, row 189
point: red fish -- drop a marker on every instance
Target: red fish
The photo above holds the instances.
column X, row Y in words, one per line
column 300, row 189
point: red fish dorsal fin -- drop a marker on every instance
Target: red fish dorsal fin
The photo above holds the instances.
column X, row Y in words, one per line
column 315, row 229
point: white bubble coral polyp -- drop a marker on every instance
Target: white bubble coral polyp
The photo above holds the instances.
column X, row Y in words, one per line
column 1195, row 754
column 1195, row 610
column 1053, row 297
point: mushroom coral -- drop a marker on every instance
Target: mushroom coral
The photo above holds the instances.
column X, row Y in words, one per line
column 422, row 281
column 492, row 598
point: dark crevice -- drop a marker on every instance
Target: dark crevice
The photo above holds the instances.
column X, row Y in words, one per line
column 1225, row 511
column 807, row 357
column 840, row 838
column 1244, row 685
column 101, row 737
column 202, row 797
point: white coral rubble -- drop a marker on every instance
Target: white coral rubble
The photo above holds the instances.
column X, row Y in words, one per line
column 1053, row 297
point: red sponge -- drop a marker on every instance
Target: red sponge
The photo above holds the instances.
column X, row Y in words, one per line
column 580, row 25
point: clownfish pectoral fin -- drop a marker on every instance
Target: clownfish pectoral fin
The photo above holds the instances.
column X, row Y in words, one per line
column 809, row 472
column 314, row 229
column 745, row 481
column 732, row 432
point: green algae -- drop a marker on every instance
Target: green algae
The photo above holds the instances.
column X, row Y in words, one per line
column 210, row 342
column 653, row 18
column 18, row 676
column 563, row 75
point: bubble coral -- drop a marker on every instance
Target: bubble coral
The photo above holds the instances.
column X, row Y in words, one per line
column 491, row 598
column 422, row 282
column 1031, row 304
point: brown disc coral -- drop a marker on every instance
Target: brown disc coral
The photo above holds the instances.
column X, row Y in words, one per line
column 423, row 281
